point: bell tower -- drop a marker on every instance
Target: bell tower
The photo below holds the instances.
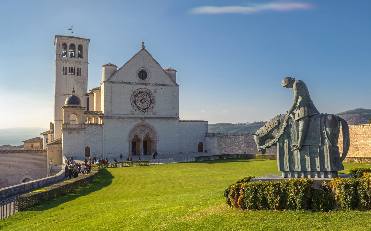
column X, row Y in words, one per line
column 71, row 72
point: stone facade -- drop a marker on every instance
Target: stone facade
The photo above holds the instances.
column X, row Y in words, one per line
column 71, row 72
column 360, row 143
column 133, row 112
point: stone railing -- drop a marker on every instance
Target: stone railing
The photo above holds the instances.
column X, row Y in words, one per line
column 236, row 156
column 74, row 126
column 357, row 159
column 22, row 151
column 18, row 189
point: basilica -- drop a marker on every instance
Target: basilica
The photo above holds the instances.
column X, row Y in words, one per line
column 132, row 113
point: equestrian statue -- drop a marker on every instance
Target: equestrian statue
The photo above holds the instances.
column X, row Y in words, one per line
column 307, row 141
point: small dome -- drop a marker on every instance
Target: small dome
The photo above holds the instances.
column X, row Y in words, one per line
column 72, row 100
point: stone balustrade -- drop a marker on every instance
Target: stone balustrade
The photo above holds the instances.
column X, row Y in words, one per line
column 18, row 189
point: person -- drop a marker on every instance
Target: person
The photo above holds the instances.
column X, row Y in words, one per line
column 66, row 171
column 301, row 109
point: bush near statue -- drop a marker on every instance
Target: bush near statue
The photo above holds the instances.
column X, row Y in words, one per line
column 299, row 194
column 307, row 141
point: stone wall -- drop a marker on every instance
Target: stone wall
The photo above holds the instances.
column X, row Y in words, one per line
column 18, row 189
column 218, row 143
column 360, row 143
column 21, row 165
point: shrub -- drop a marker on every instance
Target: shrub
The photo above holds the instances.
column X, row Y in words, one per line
column 364, row 191
column 322, row 198
column 345, row 192
column 359, row 172
column 299, row 194
column 28, row 200
column 252, row 196
column 276, row 195
column 233, row 191
column 245, row 180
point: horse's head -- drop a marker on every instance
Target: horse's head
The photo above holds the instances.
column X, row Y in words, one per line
column 267, row 132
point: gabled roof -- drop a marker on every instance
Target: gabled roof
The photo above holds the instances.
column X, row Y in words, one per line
column 143, row 49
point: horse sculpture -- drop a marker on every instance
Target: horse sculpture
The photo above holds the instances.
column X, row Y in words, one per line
column 319, row 156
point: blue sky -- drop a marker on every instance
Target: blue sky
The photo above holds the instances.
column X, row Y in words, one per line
column 230, row 55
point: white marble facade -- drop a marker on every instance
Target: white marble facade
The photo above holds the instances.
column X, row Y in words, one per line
column 133, row 113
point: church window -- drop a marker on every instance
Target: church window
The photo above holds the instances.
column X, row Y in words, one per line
column 71, row 70
column 73, row 119
column 78, row 71
column 64, row 70
column 72, row 50
column 200, row 147
column 87, row 152
column 142, row 74
column 79, row 51
column 64, row 50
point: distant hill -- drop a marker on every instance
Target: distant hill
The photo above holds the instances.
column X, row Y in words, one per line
column 357, row 116
column 353, row 117
column 230, row 128
column 10, row 147
column 15, row 136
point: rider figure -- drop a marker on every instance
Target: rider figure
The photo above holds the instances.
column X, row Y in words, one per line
column 301, row 109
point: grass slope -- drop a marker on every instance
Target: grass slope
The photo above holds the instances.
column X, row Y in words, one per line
column 186, row 196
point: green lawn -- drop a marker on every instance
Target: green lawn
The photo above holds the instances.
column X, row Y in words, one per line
column 186, row 196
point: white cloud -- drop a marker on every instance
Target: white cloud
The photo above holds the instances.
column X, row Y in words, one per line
column 253, row 8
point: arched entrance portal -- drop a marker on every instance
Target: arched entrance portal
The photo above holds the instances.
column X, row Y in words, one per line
column 147, row 145
column 142, row 140
column 135, row 145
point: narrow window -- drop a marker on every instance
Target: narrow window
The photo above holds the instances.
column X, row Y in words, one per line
column 72, row 50
column 64, row 70
column 200, row 147
column 64, row 50
column 71, row 70
column 87, row 152
column 78, row 71
column 79, row 51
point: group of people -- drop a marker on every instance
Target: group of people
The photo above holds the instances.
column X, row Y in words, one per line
column 73, row 168
column 154, row 156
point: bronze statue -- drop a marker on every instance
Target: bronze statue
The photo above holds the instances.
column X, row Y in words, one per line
column 301, row 109
column 307, row 141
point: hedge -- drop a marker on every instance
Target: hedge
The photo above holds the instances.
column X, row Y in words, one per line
column 33, row 198
column 301, row 194
column 358, row 172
